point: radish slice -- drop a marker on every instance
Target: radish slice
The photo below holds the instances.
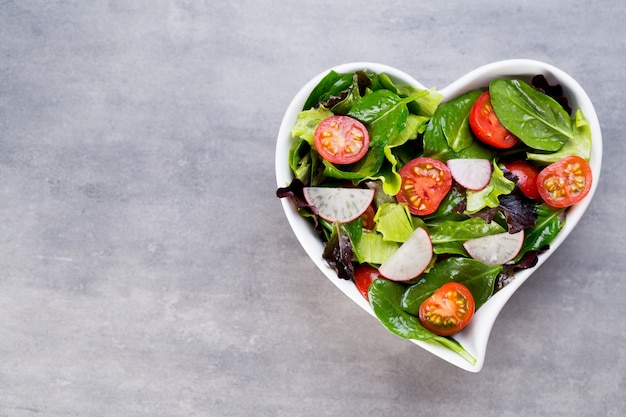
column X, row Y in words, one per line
column 411, row 258
column 339, row 204
column 473, row 174
column 495, row 249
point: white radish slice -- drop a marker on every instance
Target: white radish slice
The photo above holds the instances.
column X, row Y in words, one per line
column 410, row 259
column 473, row 174
column 339, row 204
column 495, row 249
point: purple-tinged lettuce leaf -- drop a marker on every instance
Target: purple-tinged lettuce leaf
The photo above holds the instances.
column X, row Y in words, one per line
column 338, row 253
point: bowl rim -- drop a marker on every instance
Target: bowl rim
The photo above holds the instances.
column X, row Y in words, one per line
column 475, row 336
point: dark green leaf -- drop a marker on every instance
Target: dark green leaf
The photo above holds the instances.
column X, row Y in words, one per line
column 535, row 118
column 449, row 127
column 323, row 87
column 367, row 167
column 384, row 113
column 478, row 277
column 385, row 297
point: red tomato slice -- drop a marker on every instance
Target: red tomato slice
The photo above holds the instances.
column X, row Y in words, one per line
column 425, row 182
column 448, row 310
column 486, row 126
column 565, row 182
column 364, row 274
column 526, row 174
column 341, row 140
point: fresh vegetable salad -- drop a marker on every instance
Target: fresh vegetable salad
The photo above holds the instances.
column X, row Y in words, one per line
column 431, row 206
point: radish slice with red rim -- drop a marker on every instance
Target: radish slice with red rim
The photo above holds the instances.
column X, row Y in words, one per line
column 339, row 204
column 473, row 174
column 411, row 258
column 495, row 249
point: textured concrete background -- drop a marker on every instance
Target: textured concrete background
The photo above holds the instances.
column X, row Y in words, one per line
column 147, row 269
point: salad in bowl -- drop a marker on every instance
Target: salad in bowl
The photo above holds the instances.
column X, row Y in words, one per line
column 429, row 208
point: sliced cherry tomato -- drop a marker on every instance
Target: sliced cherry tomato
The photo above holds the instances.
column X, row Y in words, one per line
column 526, row 174
column 448, row 310
column 486, row 126
column 425, row 182
column 364, row 274
column 341, row 140
column 565, row 182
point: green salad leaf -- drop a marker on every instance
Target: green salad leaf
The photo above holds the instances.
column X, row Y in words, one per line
column 385, row 298
column 331, row 85
column 579, row 144
column 307, row 123
column 425, row 102
column 448, row 134
column 393, row 222
column 372, row 248
column 448, row 236
column 534, row 117
column 478, row 277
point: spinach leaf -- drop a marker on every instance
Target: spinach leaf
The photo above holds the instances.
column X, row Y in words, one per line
column 384, row 113
column 478, row 277
column 425, row 102
column 368, row 166
column 448, row 236
column 449, row 208
column 456, row 129
column 385, row 298
column 299, row 160
column 448, row 134
column 342, row 104
column 331, row 81
column 378, row 164
column 579, row 144
column 535, row 118
column 333, row 84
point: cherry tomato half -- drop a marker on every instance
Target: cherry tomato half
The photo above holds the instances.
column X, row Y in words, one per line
column 425, row 182
column 565, row 182
column 341, row 140
column 526, row 174
column 486, row 126
column 448, row 310
column 364, row 274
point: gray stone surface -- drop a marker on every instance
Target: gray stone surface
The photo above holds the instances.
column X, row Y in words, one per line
column 147, row 269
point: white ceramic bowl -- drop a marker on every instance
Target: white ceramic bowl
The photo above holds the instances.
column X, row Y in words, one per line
column 475, row 336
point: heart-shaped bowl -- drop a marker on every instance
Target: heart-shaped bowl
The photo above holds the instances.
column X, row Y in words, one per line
column 475, row 336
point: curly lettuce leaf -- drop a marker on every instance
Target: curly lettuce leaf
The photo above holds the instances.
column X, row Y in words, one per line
column 372, row 248
column 307, row 123
column 393, row 222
